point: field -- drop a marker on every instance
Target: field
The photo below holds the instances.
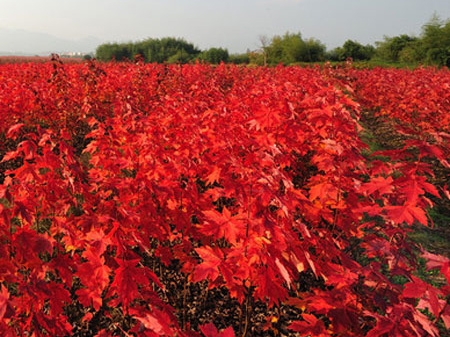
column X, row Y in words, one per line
column 9, row 59
column 195, row 200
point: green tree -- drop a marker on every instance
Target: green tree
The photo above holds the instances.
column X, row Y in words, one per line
column 239, row 58
column 167, row 49
column 265, row 42
column 291, row 48
column 413, row 53
column 356, row 51
column 435, row 42
column 432, row 47
column 215, row 55
column 335, row 54
column 274, row 52
column 181, row 56
column 392, row 48
column 114, row 51
column 314, row 51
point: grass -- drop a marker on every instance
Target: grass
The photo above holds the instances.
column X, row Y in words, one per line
column 435, row 239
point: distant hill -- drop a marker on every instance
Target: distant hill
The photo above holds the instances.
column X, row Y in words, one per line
column 23, row 42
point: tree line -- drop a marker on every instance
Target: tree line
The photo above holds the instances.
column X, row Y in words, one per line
column 432, row 47
column 165, row 50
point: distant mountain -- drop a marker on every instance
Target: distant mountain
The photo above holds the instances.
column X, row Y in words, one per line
column 22, row 42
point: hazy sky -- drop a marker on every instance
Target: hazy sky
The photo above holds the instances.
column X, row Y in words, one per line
column 236, row 25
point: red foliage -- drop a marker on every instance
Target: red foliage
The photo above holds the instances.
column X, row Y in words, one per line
column 209, row 330
column 248, row 177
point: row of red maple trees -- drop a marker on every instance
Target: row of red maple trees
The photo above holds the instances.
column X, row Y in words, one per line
column 247, row 179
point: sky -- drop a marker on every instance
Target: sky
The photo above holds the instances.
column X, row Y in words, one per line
column 232, row 24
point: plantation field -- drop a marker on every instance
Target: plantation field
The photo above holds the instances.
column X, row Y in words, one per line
column 195, row 200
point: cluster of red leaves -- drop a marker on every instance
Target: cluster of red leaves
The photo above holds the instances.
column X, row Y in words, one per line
column 416, row 99
column 248, row 177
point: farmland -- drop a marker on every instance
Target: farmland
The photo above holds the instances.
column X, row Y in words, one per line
column 195, row 200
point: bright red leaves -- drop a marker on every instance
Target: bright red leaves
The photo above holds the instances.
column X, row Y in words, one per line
column 250, row 179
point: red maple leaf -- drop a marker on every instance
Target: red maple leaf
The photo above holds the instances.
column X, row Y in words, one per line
column 4, row 301
column 323, row 191
column 209, row 269
column 384, row 327
column 29, row 244
column 158, row 322
column 14, row 131
column 129, row 280
column 310, row 325
column 428, row 295
column 406, row 213
column 213, row 176
column 94, row 276
column 224, row 224
column 381, row 184
column 210, row 330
